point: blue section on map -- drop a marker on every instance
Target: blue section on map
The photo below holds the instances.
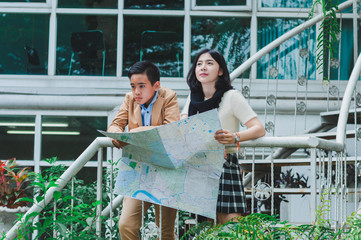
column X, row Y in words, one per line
column 125, row 178
column 150, row 196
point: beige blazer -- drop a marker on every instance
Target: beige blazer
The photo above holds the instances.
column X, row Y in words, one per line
column 165, row 110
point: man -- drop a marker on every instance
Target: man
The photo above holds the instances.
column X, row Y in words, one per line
column 148, row 105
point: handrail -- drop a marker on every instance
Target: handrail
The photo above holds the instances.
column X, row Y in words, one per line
column 78, row 164
column 345, row 106
column 275, row 43
column 293, row 142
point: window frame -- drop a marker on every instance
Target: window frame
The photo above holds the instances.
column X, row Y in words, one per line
column 251, row 10
column 25, row 5
column 246, row 7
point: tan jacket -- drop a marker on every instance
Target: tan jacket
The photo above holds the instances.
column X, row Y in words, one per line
column 165, row 110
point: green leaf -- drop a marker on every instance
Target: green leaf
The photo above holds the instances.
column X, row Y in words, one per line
column 39, row 198
column 61, row 228
column 31, row 215
column 47, row 222
column 69, row 197
column 56, row 195
column 52, row 184
column 24, row 199
column 39, row 184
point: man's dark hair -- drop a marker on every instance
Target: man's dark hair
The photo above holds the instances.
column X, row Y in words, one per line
column 146, row 67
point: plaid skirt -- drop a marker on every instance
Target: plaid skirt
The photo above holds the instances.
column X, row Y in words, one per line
column 231, row 196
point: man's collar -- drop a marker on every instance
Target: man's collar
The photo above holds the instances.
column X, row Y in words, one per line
column 154, row 98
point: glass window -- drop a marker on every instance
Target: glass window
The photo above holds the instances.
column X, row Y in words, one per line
column 88, row 47
column 17, row 137
column 346, row 54
column 287, row 4
column 157, row 39
column 67, row 137
column 220, row 2
column 24, row 43
column 87, row 174
column 87, row 4
column 22, row 0
column 347, row 10
column 151, row 4
column 289, row 51
column 230, row 36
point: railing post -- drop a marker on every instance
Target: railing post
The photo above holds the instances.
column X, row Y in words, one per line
column 37, row 156
column 111, row 191
column 313, row 200
column 99, row 191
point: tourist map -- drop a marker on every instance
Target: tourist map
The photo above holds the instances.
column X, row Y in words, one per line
column 177, row 165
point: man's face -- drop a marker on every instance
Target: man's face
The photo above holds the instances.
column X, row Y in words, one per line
column 142, row 89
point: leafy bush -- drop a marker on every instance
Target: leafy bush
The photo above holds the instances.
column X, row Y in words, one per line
column 13, row 183
column 263, row 226
column 73, row 217
column 68, row 216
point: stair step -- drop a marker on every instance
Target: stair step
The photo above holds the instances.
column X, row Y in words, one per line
column 329, row 135
column 300, row 190
column 285, row 190
column 332, row 116
column 291, row 162
column 260, row 153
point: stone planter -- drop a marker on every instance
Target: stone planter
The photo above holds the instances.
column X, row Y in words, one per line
column 8, row 216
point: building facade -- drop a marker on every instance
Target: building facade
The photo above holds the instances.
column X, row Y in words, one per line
column 64, row 63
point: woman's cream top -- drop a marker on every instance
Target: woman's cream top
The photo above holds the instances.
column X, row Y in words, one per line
column 232, row 110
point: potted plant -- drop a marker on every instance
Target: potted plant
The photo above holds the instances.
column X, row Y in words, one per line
column 12, row 189
column 289, row 180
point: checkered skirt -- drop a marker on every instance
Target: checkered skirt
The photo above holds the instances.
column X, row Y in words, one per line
column 231, row 196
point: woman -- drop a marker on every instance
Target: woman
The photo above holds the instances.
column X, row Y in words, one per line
column 210, row 86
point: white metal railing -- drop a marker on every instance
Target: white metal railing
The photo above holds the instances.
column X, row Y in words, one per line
column 101, row 142
column 344, row 111
column 312, row 143
column 63, row 180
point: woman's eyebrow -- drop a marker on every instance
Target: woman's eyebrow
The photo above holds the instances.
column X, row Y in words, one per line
column 207, row 60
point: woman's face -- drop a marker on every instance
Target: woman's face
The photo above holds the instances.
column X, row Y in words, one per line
column 207, row 69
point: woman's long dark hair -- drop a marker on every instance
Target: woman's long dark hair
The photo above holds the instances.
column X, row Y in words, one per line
column 224, row 81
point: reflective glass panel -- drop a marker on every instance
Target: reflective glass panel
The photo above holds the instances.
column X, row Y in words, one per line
column 230, row 36
column 17, row 137
column 87, row 45
column 67, row 137
column 347, row 10
column 220, row 2
column 24, row 43
column 88, row 3
column 289, row 51
column 147, row 4
column 342, row 68
column 156, row 39
column 287, row 4
column 22, row 0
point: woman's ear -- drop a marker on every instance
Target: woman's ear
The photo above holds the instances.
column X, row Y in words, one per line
column 220, row 72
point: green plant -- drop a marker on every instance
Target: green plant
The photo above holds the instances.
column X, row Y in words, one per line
column 68, row 216
column 329, row 31
column 292, row 180
column 13, row 183
column 353, row 227
column 263, row 226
